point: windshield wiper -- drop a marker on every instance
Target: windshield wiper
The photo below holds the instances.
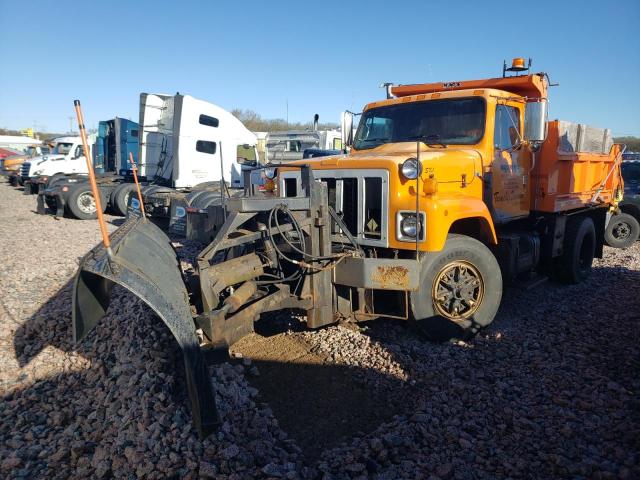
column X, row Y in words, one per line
column 374, row 140
column 428, row 140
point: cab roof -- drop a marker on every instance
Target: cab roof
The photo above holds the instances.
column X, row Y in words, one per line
column 482, row 92
column 530, row 86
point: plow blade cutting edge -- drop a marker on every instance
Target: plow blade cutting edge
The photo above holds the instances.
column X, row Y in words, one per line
column 145, row 263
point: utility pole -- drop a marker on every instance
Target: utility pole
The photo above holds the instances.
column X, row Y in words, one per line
column 70, row 124
column 287, row 102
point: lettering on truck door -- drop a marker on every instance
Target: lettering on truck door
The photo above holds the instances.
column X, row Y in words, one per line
column 509, row 167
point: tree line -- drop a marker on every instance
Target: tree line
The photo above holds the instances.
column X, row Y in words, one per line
column 254, row 122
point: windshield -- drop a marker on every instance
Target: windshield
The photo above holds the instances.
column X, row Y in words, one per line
column 446, row 122
column 62, row 148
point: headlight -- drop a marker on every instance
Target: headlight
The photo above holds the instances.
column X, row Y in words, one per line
column 409, row 226
column 37, row 172
column 270, row 173
column 411, row 169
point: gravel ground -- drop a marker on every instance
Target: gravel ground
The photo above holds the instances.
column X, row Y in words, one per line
column 550, row 390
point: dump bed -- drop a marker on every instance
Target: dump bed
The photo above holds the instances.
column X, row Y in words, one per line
column 574, row 163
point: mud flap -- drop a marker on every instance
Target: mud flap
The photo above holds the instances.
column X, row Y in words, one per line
column 145, row 263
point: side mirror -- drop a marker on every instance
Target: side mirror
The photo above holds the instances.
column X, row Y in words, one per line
column 535, row 121
column 346, row 126
column 246, row 161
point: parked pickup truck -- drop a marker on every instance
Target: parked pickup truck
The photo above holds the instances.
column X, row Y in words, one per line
column 623, row 228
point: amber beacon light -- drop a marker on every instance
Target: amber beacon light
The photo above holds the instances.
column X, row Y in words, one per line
column 518, row 64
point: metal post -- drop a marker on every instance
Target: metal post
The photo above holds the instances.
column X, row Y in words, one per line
column 222, row 184
column 92, row 178
column 134, row 168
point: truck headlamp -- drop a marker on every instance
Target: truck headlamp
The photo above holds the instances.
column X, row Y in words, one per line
column 411, row 168
column 270, row 173
column 37, row 172
column 409, row 226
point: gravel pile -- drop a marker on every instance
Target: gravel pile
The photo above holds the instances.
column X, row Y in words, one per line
column 550, row 390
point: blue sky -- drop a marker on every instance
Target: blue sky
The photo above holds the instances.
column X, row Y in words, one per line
column 319, row 57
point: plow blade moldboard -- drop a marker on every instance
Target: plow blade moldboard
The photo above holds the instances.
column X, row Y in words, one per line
column 144, row 262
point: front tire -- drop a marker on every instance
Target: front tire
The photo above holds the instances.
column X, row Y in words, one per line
column 81, row 204
column 622, row 231
column 460, row 290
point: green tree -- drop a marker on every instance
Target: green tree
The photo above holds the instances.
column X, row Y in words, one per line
column 632, row 143
column 254, row 122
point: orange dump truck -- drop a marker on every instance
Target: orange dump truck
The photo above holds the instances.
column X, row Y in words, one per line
column 449, row 190
column 475, row 178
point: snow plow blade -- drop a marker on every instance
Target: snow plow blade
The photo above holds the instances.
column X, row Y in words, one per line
column 144, row 262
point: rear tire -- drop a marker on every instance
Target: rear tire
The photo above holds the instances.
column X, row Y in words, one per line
column 460, row 290
column 622, row 231
column 81, row 204
column 121, row 198
column 579, row 249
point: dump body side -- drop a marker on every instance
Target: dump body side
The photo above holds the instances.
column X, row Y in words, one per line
column 575, row 163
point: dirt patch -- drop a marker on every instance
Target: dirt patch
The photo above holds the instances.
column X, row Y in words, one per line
column 317, row 402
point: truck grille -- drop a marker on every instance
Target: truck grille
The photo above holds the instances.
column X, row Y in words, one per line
column 360, row 197
column 24, row 170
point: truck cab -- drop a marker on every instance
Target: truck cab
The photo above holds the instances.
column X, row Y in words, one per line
column 470, row 179
column 11, row 166
column 66, row 157
column 116, row 139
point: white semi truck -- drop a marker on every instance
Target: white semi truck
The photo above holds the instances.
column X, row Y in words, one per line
column 185, row 144
column 191, row 147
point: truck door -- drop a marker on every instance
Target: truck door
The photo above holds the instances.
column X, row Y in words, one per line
column 509, row 167
column 101, row 148
column 129, row 135
column 76, row 162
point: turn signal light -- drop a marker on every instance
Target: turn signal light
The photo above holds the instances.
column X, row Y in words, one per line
column 430, row 185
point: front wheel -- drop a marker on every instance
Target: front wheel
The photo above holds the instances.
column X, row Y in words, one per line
column 460, row 289
column 622, row 231
column 81, row 204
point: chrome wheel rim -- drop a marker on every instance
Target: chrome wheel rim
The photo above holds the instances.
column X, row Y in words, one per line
column 458, row 290
column 86, row 203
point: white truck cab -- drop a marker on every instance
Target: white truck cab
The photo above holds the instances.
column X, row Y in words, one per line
column 187, row 142
column 66, row 157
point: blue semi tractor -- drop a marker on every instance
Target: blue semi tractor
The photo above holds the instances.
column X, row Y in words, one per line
column 117, row 139
column 71, row 193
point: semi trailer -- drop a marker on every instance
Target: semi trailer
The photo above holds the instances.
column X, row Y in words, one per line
column 450, row 191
